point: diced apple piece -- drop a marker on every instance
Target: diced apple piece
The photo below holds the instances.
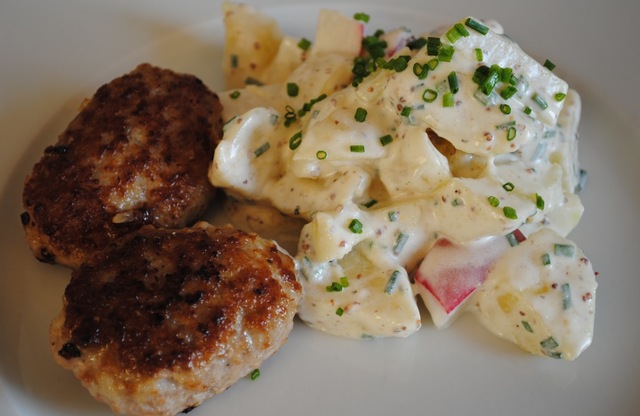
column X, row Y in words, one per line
column 288, row 58
column 331, row 234
column 319, row 75
column 450, row 274
column 337, row 33
column 540, row 295
column 252, row 40
column 357, row 298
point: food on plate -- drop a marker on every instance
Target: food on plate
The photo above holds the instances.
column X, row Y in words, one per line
column 137, row 153
column 441, row 166
column 160, row 319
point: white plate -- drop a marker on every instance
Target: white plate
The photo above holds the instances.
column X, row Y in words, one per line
column 55, row 53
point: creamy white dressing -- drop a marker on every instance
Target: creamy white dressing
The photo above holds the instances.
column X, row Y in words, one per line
column 541, row 296
column 377, row 192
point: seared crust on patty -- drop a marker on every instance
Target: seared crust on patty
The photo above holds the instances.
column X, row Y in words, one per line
column 136, row 154
column 162, row 319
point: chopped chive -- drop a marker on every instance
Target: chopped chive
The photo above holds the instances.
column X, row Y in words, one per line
column 511, row 133
column 490, row 81
column 461, row 29
column 545, row 259
column 306, row 107
column 289, row 116
column 290, row 113
column 506, row 74
column 505, row 108
column 334, row 287
column 363, row 17
column 493, row 201
column 344, row 281
column 453, row 34
column 321, row 154
column 420, row 70
column 559, row 96
column 539, row 202
column 391, row 283
column 508, row 92
column 433, row 46
column 549, row 65
column 254, row 374
column 477, row 26
column 433, row 63
column 304, row 44
column 360, row 115
column 452, row 79
column 355, row 226
column 370, row 203
column 549, row 343
column 417, row 43
column 582, row 181
column 486, row 100
column 527, row 326
column 565, row 250
column 400, row 243
column 386, row 139
column 505, row 126
column 398, row 64
column 527, row 110
column 510, row 213
column 515, row 237
column 406, row 111
column 429, row 95
column 260, row 150
column 445, row 53
column 234, row 61
column 292, row 89
column 226, row 123
column 295, row 140
column 393, row 216
column 357, row 148
column 447, row 100
column 479, row 55
column 508, row 187
column 566, row 296
column 456, row 32
column 234, row 95
column 480, row 74
column 540, row 101
column 339, row 311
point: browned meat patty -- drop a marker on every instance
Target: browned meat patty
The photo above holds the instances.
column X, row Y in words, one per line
column 136, row 154
column 163, row 319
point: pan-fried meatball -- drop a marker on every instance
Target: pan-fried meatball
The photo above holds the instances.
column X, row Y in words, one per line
column 163, row 319
column 136, row 154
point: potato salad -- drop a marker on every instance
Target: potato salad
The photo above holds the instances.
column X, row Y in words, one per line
column 439, row 167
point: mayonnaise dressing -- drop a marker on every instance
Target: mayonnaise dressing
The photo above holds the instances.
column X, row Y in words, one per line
column 379, row 175
column 541, row 296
